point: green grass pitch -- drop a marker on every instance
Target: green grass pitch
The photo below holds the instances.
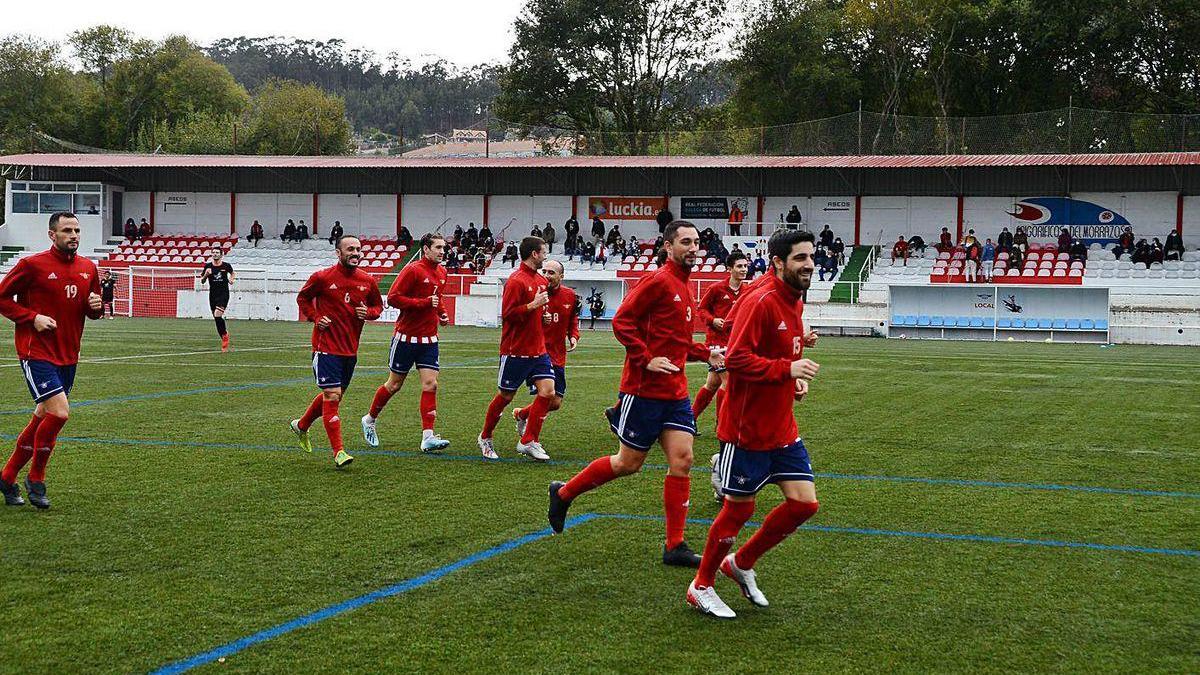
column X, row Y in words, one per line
column 183, row 518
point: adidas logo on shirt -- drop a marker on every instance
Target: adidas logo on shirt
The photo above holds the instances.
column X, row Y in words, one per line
column 52, row 275
column 333, row 287
column 782, row 325
column 677, row 298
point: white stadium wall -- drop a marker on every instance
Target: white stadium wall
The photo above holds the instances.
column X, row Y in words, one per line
column 136, row 205
column 837, row 212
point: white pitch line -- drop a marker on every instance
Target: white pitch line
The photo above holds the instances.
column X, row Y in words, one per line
column 110, row 359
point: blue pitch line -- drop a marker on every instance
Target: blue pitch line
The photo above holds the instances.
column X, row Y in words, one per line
column 210, row 390
column 331, row 611
column 955, row 482
column 231, row 648
column 941, row 536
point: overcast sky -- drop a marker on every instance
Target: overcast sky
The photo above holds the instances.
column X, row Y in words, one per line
column 463, row 31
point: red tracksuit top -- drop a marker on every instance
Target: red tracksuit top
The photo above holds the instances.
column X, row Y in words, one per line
column 760, row 393
column 655, row 319
column 57, row 285
column 335, row 292
column 412, row 293
column 521, row 329
column 563, row 311
column 715, row 304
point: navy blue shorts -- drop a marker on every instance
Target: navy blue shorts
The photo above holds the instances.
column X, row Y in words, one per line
column 518, row 370
column 405, row 355
column 640, row 421
column 560, row 383
column 333, row 371
column 744, row 472
column 46, row 380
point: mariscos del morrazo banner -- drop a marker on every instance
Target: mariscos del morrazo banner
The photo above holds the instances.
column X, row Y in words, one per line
column 626, row 208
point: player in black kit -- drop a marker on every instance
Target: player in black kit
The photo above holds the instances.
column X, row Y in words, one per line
column 219, row 276
column 108, row 284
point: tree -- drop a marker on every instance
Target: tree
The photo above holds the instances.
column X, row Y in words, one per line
column 289, row 118
column 605, row 65
column 99, row 47
column 37, row 89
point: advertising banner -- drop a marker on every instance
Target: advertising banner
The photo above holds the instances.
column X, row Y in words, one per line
column 626, row 208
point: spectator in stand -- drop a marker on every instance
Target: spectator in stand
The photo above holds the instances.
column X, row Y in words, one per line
column 510, row 255
column 1021, row 241
column 405, row 238
column 838, row 248
column 1078, row 250
column 613, row 235
column 289, row 232
column 145, row 230
column 794, row 218
column 829, row 266
column 970, row 240
column 587, row 253
column 759, row 266
column 1124, row 243
column 481, row 261
column 1141, row 253
column 595, row 306
column 826, row 237
column 458, row 235
column 945, row 241
column 819, row 256
column 484, row 232
column 301, row 231
column 664, row 218
column 549, row 236
column 1005, row 241
column 1064, row 240
column 974, row 253
column 131, row 230
column 1174, row 246
column 571, row 227
column 256, row 233
column 916, row 244
column 633, row 247
column 335, row 232
column 597, row 230
column 988, row 257
column 900, row 250
column 1157, row 254
column 486, row 241
column 1015, row 258
column 536, row 231
column 471, row 237
column 453, row 259
column 602, row 254
column 571, row 245
column 717, row 249
column 735, row 220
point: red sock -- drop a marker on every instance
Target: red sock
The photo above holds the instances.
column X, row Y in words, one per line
column 594, row 475
column 676, row 492
column 703, row 397
column 382, row 396
column 313, row 412
column 536, row 414
column 333, row 424
column 720, row 402
column 43, row 444
column 779, row 523
column 22, row 452
column 494, row 411
column 721, row 535
column 428, row 409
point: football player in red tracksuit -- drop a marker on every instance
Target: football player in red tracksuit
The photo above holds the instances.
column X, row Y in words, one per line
column 339, row 300
column 560, row 324
column 417, row 293
column 523, row 355
column 714, row 311
column 654, row 323
column 54, row 291
column 760, row 442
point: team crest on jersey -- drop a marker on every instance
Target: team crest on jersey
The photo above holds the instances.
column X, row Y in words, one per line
column 85, row 275
column 52, row 275
column 362, row 288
